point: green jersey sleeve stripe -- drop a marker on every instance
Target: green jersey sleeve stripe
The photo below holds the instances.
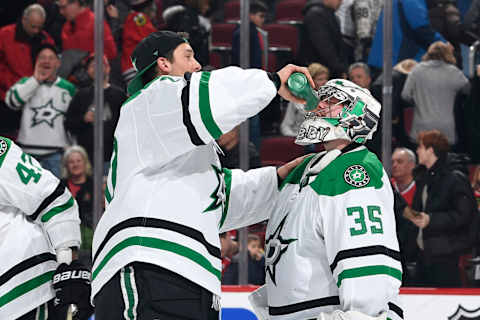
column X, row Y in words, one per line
column 369, row 271
column 108, row 197
column 161, row 245
column 204, row 105
column 4, row 147
column 64, row 84
column 56, row 210
column 228, row 188
column 26, row 287
column 17, row 96
column 114, row 163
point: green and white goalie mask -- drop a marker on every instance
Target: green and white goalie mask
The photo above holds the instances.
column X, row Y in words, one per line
column 345, row 111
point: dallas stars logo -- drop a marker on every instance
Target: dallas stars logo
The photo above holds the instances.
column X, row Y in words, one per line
column 356, row 176
column 218, row 195
column 276, row 246
column 46, row 114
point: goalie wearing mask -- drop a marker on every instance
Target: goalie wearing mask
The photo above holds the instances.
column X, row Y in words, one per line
column 331, row 245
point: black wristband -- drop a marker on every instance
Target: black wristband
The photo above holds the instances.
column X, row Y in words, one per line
column 275, row 78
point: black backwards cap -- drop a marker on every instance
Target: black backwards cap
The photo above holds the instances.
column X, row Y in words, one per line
column 146, row 53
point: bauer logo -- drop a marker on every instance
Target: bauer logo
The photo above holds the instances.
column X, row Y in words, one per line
column 465, row 314
column 76, row 274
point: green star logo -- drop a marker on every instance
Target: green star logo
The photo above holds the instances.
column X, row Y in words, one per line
column 276, row 246
column 356, row 176
column 218, row 195
column 46, row 114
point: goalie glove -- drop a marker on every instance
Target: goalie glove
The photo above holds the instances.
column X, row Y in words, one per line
column 72, row 286
column 349, row 315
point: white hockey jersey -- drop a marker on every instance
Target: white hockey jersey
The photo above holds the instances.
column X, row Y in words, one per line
column 168, row 197
column 331, row 241
column 44, row 107
column 37, row 215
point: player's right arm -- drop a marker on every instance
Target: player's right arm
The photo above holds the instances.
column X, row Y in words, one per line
column 22, row 91
column 37, row 193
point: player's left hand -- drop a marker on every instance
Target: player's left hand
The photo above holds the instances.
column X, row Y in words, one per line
column 72, row 286
column 284, row 73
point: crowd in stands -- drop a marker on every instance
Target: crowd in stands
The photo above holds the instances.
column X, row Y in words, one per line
column 47, row 107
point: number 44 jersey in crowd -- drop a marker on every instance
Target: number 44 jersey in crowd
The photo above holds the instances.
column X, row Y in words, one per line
column 37, row 216
column 331, row 241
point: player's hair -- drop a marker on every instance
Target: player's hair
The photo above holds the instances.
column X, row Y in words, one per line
column 257, row 7
column 34, row 8
column 410, row 154
column 68, row 153
column 362, row 65
column 435, row 139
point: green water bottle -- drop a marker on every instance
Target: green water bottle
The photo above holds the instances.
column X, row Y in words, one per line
column 298, row 85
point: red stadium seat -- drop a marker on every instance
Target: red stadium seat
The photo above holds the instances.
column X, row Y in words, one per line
column 289, row 11
column 231, row 11
column 279, row 150
column 282, row 38
column 222, row 34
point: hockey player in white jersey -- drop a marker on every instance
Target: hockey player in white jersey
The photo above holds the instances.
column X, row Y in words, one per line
column 156, row 249
column 39, row 226
column 331, row 246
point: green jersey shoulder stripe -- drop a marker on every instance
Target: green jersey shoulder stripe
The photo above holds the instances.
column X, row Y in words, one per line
column 26, row 287
column 59, row 190
column 205, row 108
column 64, row 84
column 228, row 188
column 160, row 224
column 161, row 245
column 17, row 96
column 5, row 144
column 58, row 209
column 369, row 271
column 334, row 179
column 362, row 252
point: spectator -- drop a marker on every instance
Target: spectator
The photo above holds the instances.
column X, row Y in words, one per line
column 78, row 31
column 445, row 206
column 54, row 21
column 345, row 17
column 295, row 115
column 229, row 142
column 44, row 98
column 256, row 264
column 80, row 117
column 138, row 25
column 114, row 19
column 190, row 18
column 321, row 32
column 400, row 129
column 366, row 13
column 476, row 185
column 359, row 73
column 411, row 19
column 257, row 19
column 228, row 248
column 403, row 163
column 77, row 176
column 17, row 44
column 433, row 86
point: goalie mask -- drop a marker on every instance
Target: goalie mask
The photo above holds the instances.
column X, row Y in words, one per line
column 346, row 111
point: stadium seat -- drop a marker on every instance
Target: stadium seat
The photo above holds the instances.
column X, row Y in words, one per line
column 279, row 150
column 222, row 34
column 289, row 12
column 282, row 38
column 231, row 11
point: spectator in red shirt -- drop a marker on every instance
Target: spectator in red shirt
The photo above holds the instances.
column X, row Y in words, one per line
column 138, row 25
column 78, row 31
column 403, row 163
column 17, row 42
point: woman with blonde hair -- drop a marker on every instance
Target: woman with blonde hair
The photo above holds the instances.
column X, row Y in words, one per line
column 77, row 176
column 432, row 86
